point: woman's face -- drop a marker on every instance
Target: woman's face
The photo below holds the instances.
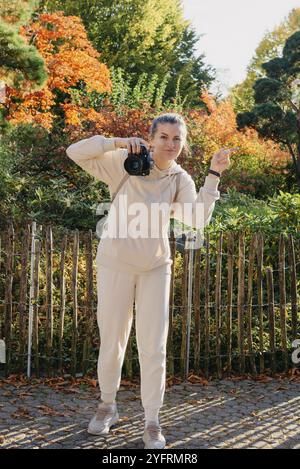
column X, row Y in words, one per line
column 167, row 142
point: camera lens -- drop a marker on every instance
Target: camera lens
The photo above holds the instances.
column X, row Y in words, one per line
column 133, row 165
column 139, row 164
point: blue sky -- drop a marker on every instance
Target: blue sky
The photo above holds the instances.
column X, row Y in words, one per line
column 232, row 30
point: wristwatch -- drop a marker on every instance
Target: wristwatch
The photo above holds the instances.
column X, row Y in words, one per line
column 214, row 172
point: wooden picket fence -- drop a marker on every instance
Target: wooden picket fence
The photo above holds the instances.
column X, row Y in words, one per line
column 244, row 314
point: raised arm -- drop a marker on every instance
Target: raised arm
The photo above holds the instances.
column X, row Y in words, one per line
column 207, row 195
column 99, row 157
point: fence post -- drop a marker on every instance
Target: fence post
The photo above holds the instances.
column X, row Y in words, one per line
column 207, row 306
column 23, row 296
column 260, row 247
column 128, row 354
column 62, row 309
column 184, row 314
column 294, row 301
column 241, row 299
column 218, row 318
column 230, row 250
column 1, row 325
column 35, row 331
column 282, row 300
column 249, row 303
column 89, row 299
column 190, row 242
column 75, row 303
column 8, row 295
column 31, row 295
column 197, row 315
column 170, row 348
column 271, row 317
column 49, row 297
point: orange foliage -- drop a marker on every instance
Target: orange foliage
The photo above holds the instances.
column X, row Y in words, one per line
column 209, row 101
column 81, row 121
column 69, row 57
column 212, row 130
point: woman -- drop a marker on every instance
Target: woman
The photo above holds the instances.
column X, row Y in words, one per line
column 137, row 269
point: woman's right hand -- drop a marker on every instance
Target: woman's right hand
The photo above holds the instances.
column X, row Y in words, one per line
column 133, row 144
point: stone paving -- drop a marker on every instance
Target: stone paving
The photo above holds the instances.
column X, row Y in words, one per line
column 222, row 414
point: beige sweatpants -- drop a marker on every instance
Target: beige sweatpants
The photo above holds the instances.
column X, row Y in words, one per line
column 117, row 291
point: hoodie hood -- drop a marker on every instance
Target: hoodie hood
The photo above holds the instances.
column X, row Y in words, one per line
column 159, row 175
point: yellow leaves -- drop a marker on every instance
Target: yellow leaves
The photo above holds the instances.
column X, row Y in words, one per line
column 33, row 109
column 77, row 115
column 68, row 67
column 71, row 115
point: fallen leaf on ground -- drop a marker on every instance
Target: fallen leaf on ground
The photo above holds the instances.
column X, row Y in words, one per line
column 22, row 395
column 71, row 390
column 120, row 430
column 262, row 378
column 198, row 379
column 21, row 413
column 125, row 382
column 193, row 402
column 174, row 380
column 234, row 391
column 40, row 437
column 92, row 382
column 124, row 419
column 46, row 410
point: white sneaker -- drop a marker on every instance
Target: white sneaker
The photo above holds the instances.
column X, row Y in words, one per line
column 153, row 437
column 106, row 416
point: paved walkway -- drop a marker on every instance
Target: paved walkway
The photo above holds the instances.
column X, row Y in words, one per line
column 225, row 414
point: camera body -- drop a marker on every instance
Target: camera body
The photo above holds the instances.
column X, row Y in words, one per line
column 139, row 164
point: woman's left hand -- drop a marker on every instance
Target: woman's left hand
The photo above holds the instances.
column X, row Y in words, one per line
column 220, row 160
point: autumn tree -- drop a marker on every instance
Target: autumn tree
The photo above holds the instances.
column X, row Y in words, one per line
column 144, row 36
column 276, row 113
column 72, row 64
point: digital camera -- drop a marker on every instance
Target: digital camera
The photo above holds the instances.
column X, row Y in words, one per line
column 139, row 164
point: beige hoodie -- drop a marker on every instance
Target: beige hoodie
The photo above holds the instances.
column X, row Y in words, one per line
column 99, row 157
